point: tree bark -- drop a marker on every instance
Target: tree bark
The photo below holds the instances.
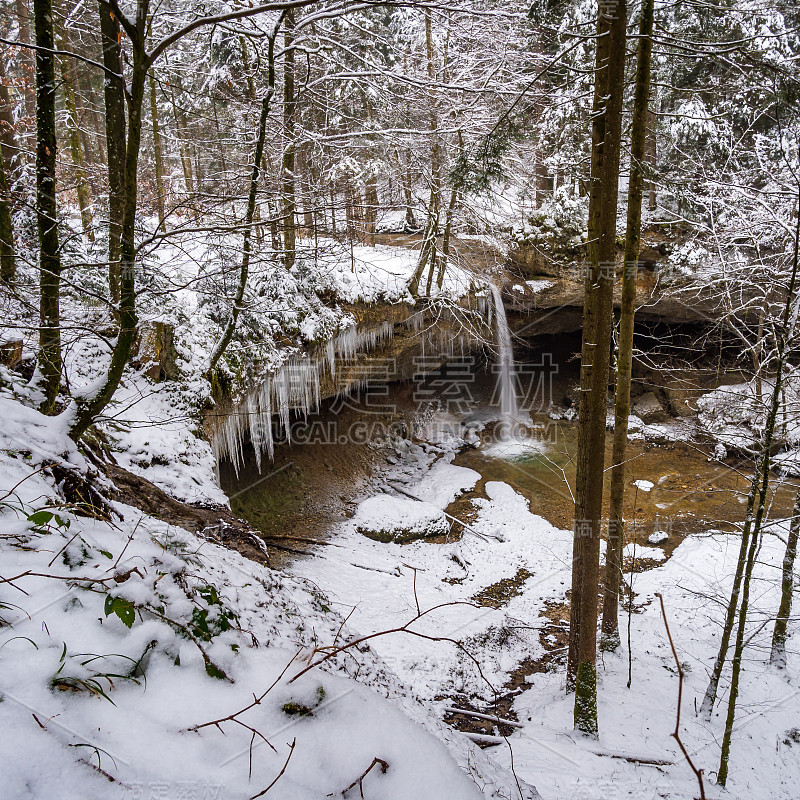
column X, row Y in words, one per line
column 595, row 354
column 26, row 57
column 49, row 357
column 8, row 263
column 75, row 145
column 288, row 188
column 114, row 97
column 622, row 407
column 13, row 155
column 158, row 152
column 89, row 407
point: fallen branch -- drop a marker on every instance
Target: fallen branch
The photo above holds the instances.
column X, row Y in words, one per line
column 487, row 717
column 464, row 525
column 360, row 779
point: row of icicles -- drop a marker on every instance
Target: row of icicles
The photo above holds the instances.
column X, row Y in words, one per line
column 294, row 388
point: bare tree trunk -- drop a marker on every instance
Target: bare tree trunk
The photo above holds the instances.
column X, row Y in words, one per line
column 371, row 208
column 114, row 96
column 12, row 153
column 158, row 152
column 75, row 144
column 26, row 57
column 227, row 334
column 448, row 224
column 606, row 132
column 763, row 475
column 288, row 187
column 622, row 408
column 49, row 357
column 405, row 182
column 777, row 654
column 89, row 407
column 651, row 156
column 8, row 264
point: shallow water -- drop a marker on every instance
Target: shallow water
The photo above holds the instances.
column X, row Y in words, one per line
column 691, row 493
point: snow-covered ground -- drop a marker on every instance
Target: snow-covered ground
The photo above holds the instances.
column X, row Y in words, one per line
column 119, row 637
column 384, row 586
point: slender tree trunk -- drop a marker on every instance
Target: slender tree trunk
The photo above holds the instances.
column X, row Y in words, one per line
column 251, row 207
column 606, row 131
column 405, row 182
column 26, row 57
column 777, row 654
column 448, row 224
column 49, row 357
column 13, row 155
column 182, row 136
column 75, row 144
column 610, row 628
column 371, row 211
column 114, row 96
column 8, row 264
column 763, row 471
column 89, row 407
column 158, row 152
column 288, row 187
column 651, row 157
column 707, row 706
column 428, row 249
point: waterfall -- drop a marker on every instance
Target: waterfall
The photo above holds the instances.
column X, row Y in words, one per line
column 509, row 409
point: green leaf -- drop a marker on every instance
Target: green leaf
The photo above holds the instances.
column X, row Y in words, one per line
column 123, row 608
column 107, row 555
column 40, row 517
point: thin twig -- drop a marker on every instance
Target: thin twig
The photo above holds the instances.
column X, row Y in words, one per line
column 278, row 776
column 676, row 733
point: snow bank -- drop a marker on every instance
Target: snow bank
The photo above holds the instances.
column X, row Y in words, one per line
column 142, row 632
column 399, row 519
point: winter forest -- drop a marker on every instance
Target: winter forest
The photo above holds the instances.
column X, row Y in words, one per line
column 399, row 399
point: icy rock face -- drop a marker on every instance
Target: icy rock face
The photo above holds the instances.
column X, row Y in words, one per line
column 293, row 387
column 397, row 519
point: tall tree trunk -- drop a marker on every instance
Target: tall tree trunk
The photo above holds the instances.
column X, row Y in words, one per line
column 158, row 152
column 622, row 406
column 114, row 97
column 75, row 144
column 448, row 224
column 49, row 357
column 763, row 472
column 408, row 197
column 26, row 57
column 227, row 334
column 371, row 208
column 8, row 264
column 90, row 406
column 288, row 187
column 651, row 157
column 182, row 136
column 13, row 155
column 777, row 654
column 595, row 353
